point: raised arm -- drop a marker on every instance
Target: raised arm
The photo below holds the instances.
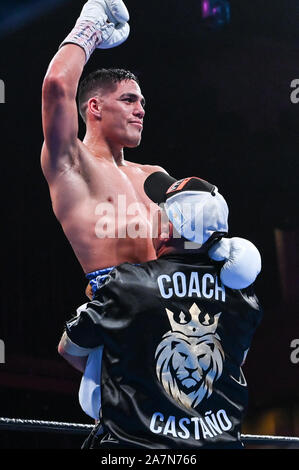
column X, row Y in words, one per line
column 59, row 110
column 101, row 24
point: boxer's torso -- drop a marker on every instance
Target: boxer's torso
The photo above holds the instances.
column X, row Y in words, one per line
column 103, row 210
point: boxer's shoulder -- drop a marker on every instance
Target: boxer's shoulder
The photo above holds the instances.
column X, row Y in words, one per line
column 145, row 168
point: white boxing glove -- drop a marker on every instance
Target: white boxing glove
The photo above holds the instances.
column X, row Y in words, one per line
column 102, row 24
column 243, row 261
column 110, row 18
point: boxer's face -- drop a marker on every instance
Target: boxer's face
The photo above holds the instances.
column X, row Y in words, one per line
column 122, row 113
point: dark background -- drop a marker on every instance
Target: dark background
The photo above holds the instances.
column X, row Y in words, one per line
column 218, row 106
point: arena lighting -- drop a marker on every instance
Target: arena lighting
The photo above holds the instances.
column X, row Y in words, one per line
column 215, row 13
column 14, row 14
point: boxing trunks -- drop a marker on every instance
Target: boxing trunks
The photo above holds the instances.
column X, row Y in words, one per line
column 90, row 389
column 98, row 277
column 174, row 342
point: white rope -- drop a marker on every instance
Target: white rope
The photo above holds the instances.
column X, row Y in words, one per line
column 17, row 424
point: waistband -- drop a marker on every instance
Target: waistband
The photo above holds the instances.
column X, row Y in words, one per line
column 97, row 278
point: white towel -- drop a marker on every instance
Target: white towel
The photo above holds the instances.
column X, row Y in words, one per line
column 90, row 387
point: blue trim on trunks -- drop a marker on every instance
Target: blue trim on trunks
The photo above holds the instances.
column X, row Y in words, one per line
column 97, row 278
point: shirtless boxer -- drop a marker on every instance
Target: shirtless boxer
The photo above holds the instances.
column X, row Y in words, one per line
column 85, row 176
column 175, row 342
column 82, row 175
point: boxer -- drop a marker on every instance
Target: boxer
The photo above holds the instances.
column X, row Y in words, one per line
column 95, row 191
column 174, row 336
column 85, row 177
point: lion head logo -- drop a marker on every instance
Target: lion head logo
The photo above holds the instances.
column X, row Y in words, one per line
column 190, row 357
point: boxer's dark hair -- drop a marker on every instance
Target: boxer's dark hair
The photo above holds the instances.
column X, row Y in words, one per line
column 105, row 79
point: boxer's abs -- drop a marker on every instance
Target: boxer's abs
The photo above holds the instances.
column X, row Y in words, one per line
column 100, row 241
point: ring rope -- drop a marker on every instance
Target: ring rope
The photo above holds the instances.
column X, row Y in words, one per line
column 17, row 424
column 254, row 438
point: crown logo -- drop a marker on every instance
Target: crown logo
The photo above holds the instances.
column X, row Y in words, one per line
column 191, row 325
